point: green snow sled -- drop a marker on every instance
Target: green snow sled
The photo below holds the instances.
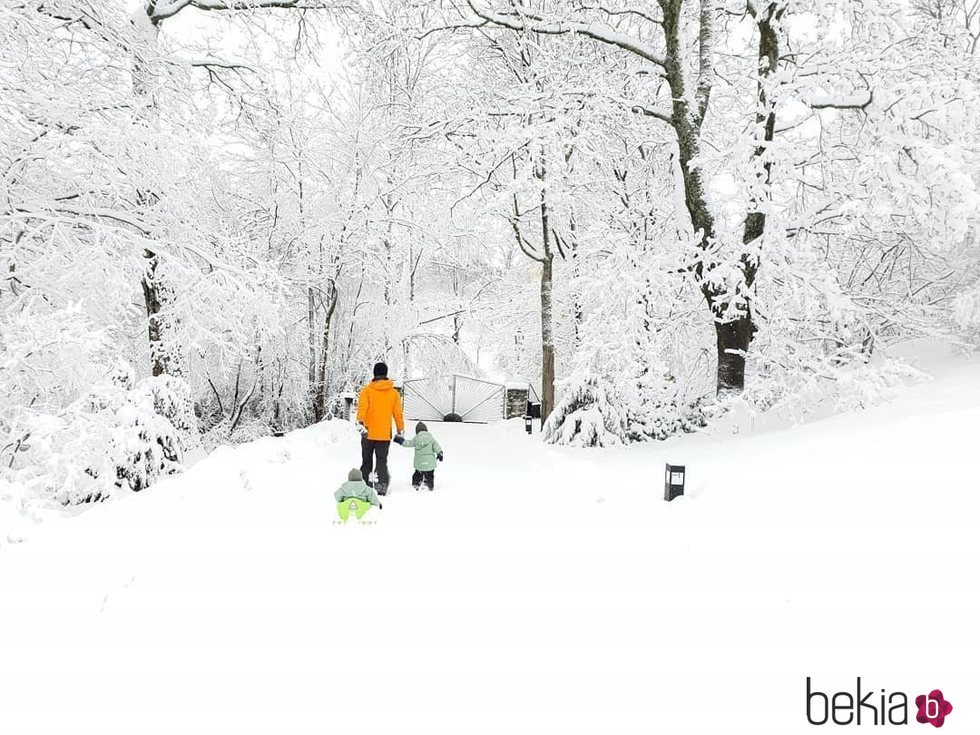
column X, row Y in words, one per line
column 352, row 505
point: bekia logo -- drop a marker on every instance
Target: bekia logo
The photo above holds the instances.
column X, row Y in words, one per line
column 873, row 707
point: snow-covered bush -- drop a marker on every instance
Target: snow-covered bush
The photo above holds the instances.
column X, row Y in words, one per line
column 601, row 412
column 143, row 444
column 589, row 413
column 623, row 383
column 797, row 384
column 112, row 439
column 663, row 409
column 172, row 400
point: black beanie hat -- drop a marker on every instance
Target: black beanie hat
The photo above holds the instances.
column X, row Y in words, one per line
column 380, row 370
column 420, row 427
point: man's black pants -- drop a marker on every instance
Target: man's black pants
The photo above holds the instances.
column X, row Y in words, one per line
column 374, row 454
column 428, row 475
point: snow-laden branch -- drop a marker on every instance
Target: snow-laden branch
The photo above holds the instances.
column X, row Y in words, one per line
column 451, row 27
column 161, row 11
column 624, row 12
column 647, row 111
column 602, row 32
column 527, row 248
column 206, row 63
column 122, row 218
column 857, row 101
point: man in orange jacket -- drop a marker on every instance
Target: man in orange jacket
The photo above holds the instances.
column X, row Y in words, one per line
column 377, row 405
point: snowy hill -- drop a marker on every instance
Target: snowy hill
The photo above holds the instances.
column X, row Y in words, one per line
column 537, row 590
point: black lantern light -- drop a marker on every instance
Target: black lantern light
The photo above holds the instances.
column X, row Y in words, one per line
column 674, row 481
column 528, row 423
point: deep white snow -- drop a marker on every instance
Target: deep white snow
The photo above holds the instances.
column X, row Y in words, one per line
column 537, row 590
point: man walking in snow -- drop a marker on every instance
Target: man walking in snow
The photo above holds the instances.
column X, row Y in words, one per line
column 378, row 404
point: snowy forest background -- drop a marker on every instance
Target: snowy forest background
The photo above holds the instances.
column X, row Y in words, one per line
column 215, row 216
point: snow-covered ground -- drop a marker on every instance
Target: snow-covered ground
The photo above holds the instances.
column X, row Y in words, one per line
column 537, row 590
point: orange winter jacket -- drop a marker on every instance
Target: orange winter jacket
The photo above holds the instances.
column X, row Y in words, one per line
column 377, row 405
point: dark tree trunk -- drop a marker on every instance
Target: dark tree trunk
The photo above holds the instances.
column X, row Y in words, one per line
column 733, row 333
column 578, row 315
column 730, row 336
column 765, row 119
column 160, row 362
column 733, row 339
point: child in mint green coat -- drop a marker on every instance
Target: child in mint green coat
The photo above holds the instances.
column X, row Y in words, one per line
column 355, row 495
column 427, row 453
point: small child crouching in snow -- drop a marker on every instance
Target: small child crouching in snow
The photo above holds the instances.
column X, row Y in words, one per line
column 427, row 453
column 357, row 490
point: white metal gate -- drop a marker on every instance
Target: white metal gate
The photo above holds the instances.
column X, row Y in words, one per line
column 433, row 398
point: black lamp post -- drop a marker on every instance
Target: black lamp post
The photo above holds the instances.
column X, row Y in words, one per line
column 674, row 481
column 528, row 423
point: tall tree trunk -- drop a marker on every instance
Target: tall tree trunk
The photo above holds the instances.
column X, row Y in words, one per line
column 388, row 202
column 734, row 327
column 320, row 401
column 578, row 315
column 735, row 335
column 164, row 355
column 547, row 312
column 311, row 344
column 546, row 258
column 547, row 342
